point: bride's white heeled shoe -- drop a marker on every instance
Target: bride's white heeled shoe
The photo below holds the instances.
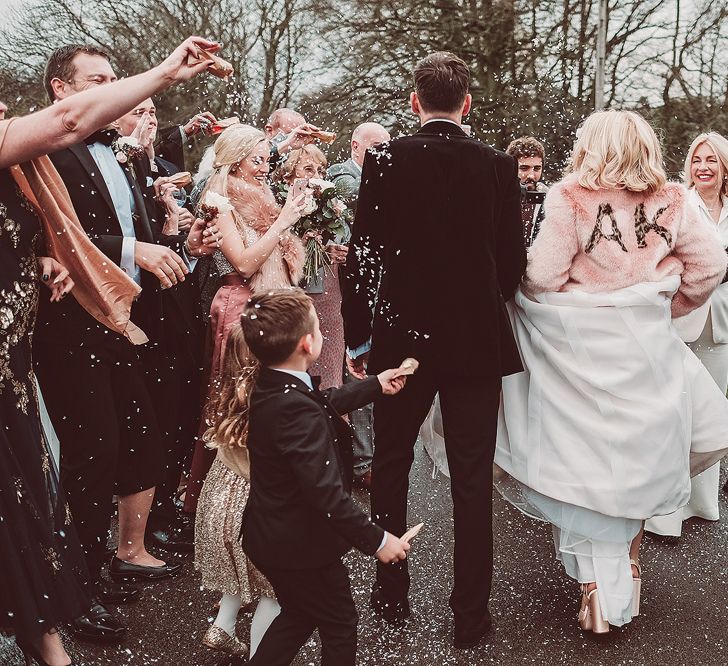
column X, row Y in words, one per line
column 590, row 613
column 636, row 588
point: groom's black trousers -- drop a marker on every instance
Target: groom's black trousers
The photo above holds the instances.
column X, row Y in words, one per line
column 470, row 413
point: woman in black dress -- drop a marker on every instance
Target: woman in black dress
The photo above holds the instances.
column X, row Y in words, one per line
column 41, row 564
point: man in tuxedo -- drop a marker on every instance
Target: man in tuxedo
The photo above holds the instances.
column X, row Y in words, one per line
column 92, row 379
column 175, row 368
column 441, row 204
column 346, row 176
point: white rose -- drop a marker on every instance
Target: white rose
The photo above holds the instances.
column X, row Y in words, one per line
column 215, row 200
column 321, row 184
column 309, row 205
column 338, row 206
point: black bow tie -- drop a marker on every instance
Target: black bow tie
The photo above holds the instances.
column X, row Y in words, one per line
column 316, row 381
column 104, row 136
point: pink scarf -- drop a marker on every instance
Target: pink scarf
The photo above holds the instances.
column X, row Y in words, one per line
column 101, row 287
column 258, row 209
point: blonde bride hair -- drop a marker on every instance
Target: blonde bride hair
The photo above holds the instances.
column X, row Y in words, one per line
column 618, row 150
column 719, row 144
column 232, row 147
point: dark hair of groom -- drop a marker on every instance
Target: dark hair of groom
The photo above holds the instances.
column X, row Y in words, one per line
column 61, row 66
column 442, row 81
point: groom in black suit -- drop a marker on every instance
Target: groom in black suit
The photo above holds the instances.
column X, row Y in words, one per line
column 438, row 248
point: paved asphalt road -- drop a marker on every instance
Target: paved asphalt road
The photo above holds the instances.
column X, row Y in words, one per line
column 684, row 618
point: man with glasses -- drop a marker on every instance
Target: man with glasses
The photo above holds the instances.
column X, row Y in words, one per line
column 99, row 387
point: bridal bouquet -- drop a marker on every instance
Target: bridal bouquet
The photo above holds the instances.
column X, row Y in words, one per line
column 325, row 219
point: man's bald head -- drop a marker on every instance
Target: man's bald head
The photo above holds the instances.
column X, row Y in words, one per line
column 283, row 121
column 365, row 136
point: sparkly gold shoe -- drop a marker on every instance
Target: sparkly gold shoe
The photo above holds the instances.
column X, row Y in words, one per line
column 217, row 638
column 636, row 588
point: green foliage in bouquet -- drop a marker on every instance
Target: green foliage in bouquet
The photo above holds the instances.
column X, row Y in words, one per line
column 325, row 220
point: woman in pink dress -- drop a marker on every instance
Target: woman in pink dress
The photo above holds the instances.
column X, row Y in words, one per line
column 309, row 162
column 256, row 251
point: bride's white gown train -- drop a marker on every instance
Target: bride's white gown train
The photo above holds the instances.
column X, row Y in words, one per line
column 604, row 428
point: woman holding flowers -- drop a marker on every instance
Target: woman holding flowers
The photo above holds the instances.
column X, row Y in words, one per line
column 256, row 250
column 324, row 228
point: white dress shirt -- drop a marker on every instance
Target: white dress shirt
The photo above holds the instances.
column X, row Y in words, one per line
column 123, row 200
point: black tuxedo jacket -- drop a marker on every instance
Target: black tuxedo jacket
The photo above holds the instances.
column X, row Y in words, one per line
column 300, row 514
column 438, row 248
column 92, row 202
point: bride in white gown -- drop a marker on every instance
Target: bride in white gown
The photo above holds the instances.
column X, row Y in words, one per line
column 613, row 412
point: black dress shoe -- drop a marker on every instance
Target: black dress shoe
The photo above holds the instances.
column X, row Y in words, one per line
column 393, row 612
column 472, row 637
column 124, row 571
column 109, row 592
column 170, row 539
column 97, row 624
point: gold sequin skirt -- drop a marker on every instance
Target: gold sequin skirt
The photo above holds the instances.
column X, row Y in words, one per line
column 219, row 554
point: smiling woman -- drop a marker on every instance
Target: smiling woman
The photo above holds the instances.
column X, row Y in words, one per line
column 256, row 251
column 706, row 329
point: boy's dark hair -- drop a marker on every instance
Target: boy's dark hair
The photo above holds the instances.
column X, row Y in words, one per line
column 525, row 146
column 273, row 322
column 442, row 81
column 60, row 64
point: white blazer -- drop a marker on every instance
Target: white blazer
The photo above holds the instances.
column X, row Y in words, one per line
column 691, row 325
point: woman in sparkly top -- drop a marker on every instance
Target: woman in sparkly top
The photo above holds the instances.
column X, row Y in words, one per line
column 42, row 571
column 256, row 251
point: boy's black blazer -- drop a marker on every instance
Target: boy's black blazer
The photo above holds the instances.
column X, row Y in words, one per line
column 300, row 514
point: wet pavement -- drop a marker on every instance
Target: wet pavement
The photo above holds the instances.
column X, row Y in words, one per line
column 683, row 621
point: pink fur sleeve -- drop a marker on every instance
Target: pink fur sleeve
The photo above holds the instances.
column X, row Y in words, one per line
column 698, row 247
column 555, row 247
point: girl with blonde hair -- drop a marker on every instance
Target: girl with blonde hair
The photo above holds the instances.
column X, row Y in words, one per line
column 613, row 414
column 705, row 329
column 218, row 551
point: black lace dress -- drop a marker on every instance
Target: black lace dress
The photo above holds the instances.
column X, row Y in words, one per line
column 41, row 565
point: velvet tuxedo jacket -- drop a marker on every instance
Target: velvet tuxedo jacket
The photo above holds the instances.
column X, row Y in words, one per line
column 300, row 514
column 92, row 202
column 438, row 248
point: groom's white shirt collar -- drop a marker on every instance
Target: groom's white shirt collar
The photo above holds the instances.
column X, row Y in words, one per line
column 442, row 120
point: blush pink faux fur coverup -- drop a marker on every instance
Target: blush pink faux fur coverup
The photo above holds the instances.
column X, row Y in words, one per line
column 603, row 240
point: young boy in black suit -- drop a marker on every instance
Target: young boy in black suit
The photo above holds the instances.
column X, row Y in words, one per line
column 300, row 518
